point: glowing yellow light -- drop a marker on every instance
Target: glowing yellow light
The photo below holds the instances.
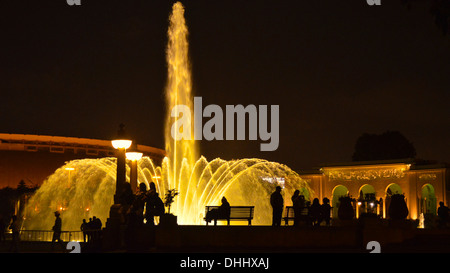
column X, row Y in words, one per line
column 69, row 168
column 121, row 143
column 134, row 156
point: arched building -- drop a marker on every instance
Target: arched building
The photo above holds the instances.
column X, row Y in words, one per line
column 372, row 183
column 33, row 158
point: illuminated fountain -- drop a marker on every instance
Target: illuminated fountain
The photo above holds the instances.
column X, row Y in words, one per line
column 200, row 182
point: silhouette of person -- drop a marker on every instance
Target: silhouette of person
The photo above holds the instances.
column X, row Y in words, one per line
column 224, row 209
column 139, row 203
column 223, row 212
column 154, row 205
column 325, row 210
column 296, row 205
column 314, row 212
column 97, row 223
column 95, row 229
column 15, row 228
column 127, row 196
column 84, row 228
column 89, row 229
column 443, row 213
column 277, row 203
column 57, row 231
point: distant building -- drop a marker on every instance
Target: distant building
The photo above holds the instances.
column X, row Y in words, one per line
column 33, row 158
column 371, row 184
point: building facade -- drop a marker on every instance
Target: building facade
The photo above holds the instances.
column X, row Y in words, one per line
column 372, row 184
column 32, row 158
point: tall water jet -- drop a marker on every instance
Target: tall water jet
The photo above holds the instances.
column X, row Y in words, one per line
column 200, row 182
column 182, row 154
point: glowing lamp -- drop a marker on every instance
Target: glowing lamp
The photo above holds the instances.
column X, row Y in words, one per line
column 121, row 143
column 134, row 156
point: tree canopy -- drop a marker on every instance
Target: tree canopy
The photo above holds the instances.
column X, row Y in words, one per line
column 388, row 145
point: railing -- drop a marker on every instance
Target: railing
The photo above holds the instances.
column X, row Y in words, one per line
column 47, row 235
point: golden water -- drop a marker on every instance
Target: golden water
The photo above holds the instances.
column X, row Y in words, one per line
column 89, row 189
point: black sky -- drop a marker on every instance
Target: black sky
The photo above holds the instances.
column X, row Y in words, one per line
column 336, row 68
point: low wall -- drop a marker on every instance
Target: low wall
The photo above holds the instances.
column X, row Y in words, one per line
column 256, row 237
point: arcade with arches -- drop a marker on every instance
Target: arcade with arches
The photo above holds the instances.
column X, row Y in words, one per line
column 371, row 186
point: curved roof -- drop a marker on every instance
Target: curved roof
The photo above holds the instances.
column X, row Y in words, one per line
column 59, row 144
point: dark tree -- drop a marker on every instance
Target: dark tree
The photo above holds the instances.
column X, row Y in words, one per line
column 440, row 10
column 389, row 145
column 8, row 197
column 22, row 187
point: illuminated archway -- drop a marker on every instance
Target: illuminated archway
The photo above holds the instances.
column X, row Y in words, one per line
column 367, row 192
column 391, row 189
column 367, row 202
column 338, row 191
column 428, row 200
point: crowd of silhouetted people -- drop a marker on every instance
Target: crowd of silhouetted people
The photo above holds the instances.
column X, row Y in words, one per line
column 143, row 206
column 91, row 230
column 312, row 214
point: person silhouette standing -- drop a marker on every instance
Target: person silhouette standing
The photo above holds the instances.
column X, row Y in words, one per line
column 443, row 213
column 84, row 229
column 314, row 212
column 57, row 231
column 296, row 206
column 15, row 228
column 325, row 211
column 277, row 203
column 154, row 205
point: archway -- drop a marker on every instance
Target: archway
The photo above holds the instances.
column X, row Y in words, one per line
column 367, row 202
column 391, row 189
column 428, row 200
column 338, row 191
column 367, row 192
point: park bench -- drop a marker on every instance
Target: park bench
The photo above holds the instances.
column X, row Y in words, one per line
column 237, row 213
column 290, row 215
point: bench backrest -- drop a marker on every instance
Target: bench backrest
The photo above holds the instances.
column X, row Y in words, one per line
column 290, row 211
column 242, row 212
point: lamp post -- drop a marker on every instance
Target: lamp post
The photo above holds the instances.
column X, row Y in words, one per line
column 69, row 169
column 121, row 143
column 134, row 156
column 113, row 232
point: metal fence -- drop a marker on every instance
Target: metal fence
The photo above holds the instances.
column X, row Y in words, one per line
column 47, row 235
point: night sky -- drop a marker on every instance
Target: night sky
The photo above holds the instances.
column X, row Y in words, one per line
column 337, row 69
